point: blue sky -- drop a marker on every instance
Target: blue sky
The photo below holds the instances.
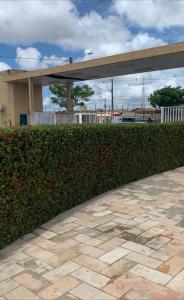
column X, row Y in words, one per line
column 38, row 33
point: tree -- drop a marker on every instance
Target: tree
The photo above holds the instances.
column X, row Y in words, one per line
column 167, row 96
column 80, row 94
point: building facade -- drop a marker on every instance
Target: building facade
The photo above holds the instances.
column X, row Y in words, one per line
column 14, row 101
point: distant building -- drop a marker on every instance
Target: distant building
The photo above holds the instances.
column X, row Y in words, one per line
column 145, row 113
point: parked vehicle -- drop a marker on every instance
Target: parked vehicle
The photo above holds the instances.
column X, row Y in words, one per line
column 142, row 121
column 132, row 120
column 128, row 120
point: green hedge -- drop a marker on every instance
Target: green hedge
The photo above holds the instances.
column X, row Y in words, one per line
column 48, row 169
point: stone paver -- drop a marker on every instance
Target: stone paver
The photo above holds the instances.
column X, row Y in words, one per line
column 21, row 293
column 150, row 274
column 46, row 234
column 87, row 240
column 118, row 268
column 35, row 265
column 114, row 255
column 62, row 246
column 8, row 271
column 137, row 248
column 42, row 242
column 173, row 266
column 127, row 244
column 60, row 259
column 61, row 271
column 90, row 250
column 31, row 281
column 158, row 242
column 144, row 260
column 160, row 255
column 93, row 278
column 38, row 252
column 177, row 283
column 58, row 288
column 90, row 262
column 136, row 295
column 86, row 292
column 7, row 285
column 111, row 244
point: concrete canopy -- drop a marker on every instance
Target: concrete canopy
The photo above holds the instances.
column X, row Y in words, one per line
column 147, row 60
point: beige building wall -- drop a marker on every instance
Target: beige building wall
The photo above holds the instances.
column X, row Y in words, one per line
column 21, row 99
column 15, row 98
column 6, row 99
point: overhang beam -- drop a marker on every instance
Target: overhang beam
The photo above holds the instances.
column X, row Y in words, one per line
column 146, row 60
column 55, row 76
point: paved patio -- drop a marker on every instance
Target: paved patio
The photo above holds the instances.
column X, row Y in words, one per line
column 125, row 244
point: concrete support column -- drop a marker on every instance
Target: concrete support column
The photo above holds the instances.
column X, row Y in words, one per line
column 69, row 97
column 80, row 118
column 30, row 90
column 162, row 115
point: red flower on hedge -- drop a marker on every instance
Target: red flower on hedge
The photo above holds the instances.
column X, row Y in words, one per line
column 9, row 138
column 21, row 142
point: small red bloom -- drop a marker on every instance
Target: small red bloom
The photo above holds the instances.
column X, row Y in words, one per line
column 21, row 142
column 9, row 138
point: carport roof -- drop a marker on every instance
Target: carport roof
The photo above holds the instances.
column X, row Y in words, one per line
column 147, row 60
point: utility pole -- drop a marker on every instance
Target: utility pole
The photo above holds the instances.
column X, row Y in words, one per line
column 105, row 105
column 143, row 93
column 69, row 92
column 112, row 95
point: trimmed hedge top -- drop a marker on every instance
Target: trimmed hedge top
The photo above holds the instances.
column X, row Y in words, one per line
column 48, row 169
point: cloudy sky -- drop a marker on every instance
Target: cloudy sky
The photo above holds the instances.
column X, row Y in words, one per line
column 42, row 33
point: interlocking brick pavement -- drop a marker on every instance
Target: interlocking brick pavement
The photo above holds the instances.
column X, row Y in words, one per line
column 127, row 244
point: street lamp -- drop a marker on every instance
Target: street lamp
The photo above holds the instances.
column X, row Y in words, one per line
column 70, row 60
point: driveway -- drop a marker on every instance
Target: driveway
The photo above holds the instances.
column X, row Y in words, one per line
column 125, row 244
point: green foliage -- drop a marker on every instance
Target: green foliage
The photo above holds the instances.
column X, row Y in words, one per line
column 59, row 92
column 46, row 170
column 167, row 96
column 80, row 94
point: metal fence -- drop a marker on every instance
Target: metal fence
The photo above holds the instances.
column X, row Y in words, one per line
column 65, row 118
column 81, row 118
column 172, row 114
column 43, row 118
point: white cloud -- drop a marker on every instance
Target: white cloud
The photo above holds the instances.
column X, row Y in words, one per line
column 144, row 40
column 48, row 106
column 31, row 59
column 32, row 21
column 152, row 13
column 58, row 22
column 4, row 66
column 24, row 54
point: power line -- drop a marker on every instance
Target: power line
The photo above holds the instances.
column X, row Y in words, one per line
column 141, row 78
column 17, row 57
column 107, row 85
column 98, row 87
